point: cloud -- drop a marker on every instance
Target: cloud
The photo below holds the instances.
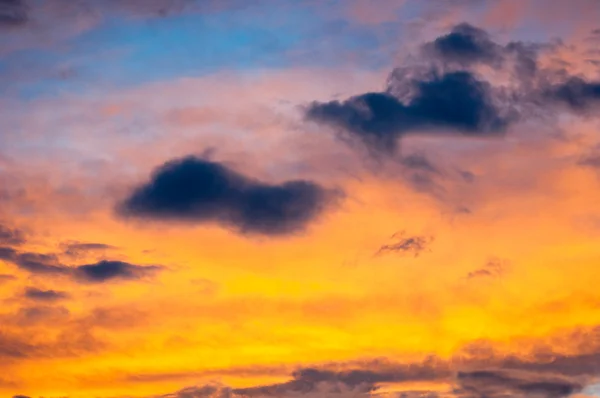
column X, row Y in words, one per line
column 474, row 381
column 100, row 272
column 457, row 101
column 13, row 13
column 515, row 384
column 576, row 93
column 77, row 249
column 414, row 245
column 11, row 237
column 493, row 268
column 105, row 271
column 45, row 295
column 201, row 191
column 13, row 347
column 465, row 45
column 38, row 263
column 40, row 315
column 442, row 90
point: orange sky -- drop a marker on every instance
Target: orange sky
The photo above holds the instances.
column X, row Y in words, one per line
column 474, row 273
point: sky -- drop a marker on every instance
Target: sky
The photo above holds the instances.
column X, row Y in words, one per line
column 299, row 198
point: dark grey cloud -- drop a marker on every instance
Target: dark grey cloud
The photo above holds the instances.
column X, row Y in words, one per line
column 442, row 91
column 414, row 245
column 502, row 383
column 576, row 93
column 45, row 295
column 11, row 236
column 465, row 44
column 105, row 271
column 100, row 272
column 365, row 380
column 201, row 191
column 7, row 253
column 475, row 372
column 13, row 13
column 455, row 101
column 39, row 263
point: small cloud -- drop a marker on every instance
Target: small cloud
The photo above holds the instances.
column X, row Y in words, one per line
column 104, row 271
column 100, row 272
column 503, row 383
column 576, row 93
column 493, row 268
column 414, row 245
column 36, row 294
column 39, row 263
column 465, row 45
column 78, row 249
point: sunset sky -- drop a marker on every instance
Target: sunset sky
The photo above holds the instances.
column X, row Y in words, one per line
column 299, row 198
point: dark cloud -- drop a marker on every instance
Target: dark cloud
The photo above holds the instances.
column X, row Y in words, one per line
column 7, row 253
column 201, row 191
column 21, row 396
column 502, row 383
column 45, row 295
column 13, row 13
column 414, row 245
column 440, row 90
column 576, row 93
column 38, row 263
column 465, row 44
column 312, row 380
column 33, row 262
column 455, row 101
column 477, row 374
column 105, row 271
column 10, row 236
column 102, row 271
